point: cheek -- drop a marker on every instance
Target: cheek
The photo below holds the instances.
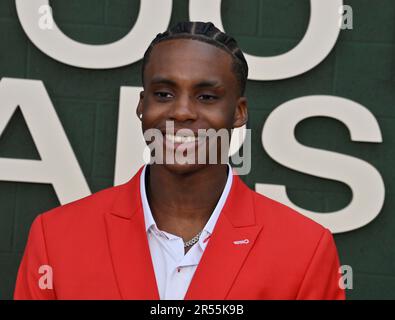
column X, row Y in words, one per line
column 219, row 116
column 153, row 114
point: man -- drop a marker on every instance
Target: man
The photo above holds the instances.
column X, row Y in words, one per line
column 182, row 230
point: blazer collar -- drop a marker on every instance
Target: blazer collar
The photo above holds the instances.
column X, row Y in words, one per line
column 238, row 206
column 233, row 237
column 127, row 202
column 221, row 260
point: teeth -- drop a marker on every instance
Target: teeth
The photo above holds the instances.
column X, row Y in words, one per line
column 180, row 139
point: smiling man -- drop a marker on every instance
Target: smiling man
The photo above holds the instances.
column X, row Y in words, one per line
column 182, row 230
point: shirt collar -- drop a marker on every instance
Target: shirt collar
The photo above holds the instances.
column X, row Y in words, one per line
column 209, row 227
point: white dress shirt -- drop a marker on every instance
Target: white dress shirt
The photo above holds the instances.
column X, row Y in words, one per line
column 173, row 268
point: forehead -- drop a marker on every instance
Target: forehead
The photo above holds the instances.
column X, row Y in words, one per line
column 190, row 60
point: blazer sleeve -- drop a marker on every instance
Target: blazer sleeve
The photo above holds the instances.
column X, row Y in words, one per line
column 321, row 280
column 34, row 280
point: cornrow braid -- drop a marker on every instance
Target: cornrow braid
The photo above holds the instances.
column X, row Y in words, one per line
column 205, row 32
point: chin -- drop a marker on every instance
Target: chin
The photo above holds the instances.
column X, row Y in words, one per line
column 182, row 169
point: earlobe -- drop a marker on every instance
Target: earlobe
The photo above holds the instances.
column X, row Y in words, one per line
column 139, row 109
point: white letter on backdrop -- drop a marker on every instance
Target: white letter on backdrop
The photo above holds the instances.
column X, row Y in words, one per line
column 317, row 43
column 130, row 140
column 58, row 165
column 365, row 181
column 154, row 17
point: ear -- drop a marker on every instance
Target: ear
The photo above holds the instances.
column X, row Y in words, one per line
column 240, row 116
column 139, row 109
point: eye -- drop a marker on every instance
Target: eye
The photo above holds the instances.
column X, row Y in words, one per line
column 163, row 95
column 207, row 97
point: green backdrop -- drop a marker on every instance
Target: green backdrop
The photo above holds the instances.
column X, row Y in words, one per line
column 361, row 67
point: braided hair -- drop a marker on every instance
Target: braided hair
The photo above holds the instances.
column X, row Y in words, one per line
column 205, row 32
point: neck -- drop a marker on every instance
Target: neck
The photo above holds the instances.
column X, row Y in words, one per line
column 182, row 203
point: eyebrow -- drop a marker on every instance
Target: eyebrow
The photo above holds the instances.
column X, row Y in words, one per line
column 202, row 84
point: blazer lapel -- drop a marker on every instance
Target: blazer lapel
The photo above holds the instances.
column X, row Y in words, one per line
column 128, row 244
column 219, row 265
column 232, row 239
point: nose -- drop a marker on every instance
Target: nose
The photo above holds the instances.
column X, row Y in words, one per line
column 183, row 109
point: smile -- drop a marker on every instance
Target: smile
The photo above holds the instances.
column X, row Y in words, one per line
column 182, row 139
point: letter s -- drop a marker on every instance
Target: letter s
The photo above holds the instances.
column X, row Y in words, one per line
column 365, row 181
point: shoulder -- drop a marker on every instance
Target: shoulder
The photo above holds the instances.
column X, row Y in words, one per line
column 284, row 221
column 80, row 212
column 292, row 238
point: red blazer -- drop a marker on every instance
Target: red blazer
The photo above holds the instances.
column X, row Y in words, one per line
column 97, row 248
